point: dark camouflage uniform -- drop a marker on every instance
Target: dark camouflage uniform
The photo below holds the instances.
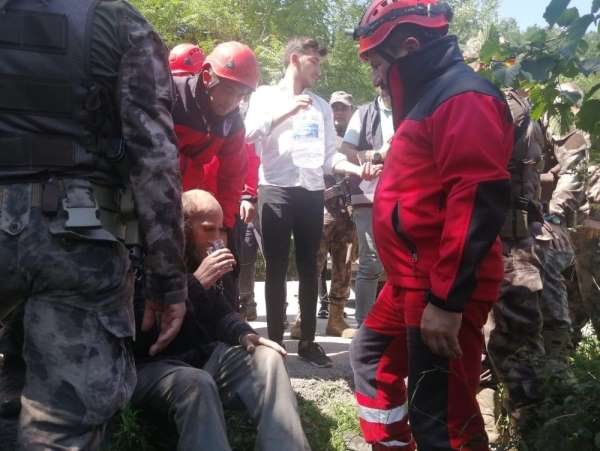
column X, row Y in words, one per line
column 515, row 344
column 78, row 319
column 555, row 248
column 584, row 303
column 339, row 240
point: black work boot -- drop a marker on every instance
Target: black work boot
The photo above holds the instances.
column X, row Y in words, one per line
column 324, row 309
column 12, row 380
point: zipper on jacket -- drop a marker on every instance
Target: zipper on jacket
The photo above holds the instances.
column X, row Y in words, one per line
column 401, row 234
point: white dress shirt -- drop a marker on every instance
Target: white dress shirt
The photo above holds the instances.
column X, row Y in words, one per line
column 275, row 145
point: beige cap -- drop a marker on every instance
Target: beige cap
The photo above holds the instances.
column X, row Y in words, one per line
column 341, row 97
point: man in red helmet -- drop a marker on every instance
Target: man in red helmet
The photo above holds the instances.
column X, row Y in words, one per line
column 439, row 206
column 208, row 125
column 186, row 59
column 218, row 170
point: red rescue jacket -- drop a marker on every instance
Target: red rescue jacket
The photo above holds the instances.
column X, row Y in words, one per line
column 212, row 151
column 444, row 193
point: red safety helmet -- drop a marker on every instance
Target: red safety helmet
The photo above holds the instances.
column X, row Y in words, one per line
column 234, row 61
column 380, row 19
column 186, row 59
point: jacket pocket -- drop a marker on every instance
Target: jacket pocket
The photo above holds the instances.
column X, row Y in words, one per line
column 402, row 235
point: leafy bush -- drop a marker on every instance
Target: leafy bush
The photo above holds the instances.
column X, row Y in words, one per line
column 569, row 419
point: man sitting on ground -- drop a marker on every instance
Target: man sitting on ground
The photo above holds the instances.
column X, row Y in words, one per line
column 204, row 367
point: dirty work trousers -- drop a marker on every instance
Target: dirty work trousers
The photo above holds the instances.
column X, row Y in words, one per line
column 440, row 402
column 193, row 398
column 77, row 323
column 339, row 240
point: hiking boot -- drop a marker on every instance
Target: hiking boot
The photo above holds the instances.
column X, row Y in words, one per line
column 314, row 354
column 336, row 326
column 324, row 310
column 12, row 380
column 296, row 329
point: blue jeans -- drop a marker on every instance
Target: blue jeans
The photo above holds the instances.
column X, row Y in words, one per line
column 369, row 266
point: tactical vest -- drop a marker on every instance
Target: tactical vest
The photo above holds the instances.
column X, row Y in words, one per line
column 523, row 197
column 54, row 118
column 371, row 137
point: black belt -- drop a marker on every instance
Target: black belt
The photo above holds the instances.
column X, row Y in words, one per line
column 108, row 201
column 39, row 151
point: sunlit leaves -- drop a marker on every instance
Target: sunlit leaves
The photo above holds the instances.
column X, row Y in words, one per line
column 554, row 10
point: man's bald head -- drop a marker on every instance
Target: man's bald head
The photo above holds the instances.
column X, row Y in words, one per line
column 201, row 205
column 203, row 218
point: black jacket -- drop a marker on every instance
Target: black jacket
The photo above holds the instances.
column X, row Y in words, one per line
column 209, row 319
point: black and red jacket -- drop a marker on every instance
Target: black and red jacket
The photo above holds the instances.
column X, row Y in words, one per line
column 444, row 193
column 212, row 150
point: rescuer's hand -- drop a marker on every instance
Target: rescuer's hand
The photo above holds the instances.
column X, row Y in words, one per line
column 214, row 266
column 439, row 330
column 370, row 171
column 247, row 211
column 169, row 317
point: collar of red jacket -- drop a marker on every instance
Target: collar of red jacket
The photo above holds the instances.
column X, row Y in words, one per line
column 408, row 76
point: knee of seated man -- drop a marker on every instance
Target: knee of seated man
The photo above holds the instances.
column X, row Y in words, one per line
column 267, row 357
column 194, row 381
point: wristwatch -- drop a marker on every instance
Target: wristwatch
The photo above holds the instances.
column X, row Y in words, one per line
column 554, row 219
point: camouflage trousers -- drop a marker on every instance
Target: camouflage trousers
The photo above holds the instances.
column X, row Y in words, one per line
column 557, row 256
column 339, row 240
column 584, row 296
column 77, row 324
column 515, row 347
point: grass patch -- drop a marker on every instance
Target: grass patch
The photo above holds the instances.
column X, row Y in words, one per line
column 328, row 415
column 569, row 417
column 130, row 431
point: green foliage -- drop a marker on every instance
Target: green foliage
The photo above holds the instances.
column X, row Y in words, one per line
column 472, row 16
column 266, row 25
column 555, row 9
column 131, row 433
column 542, row 58
column 570, row 416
